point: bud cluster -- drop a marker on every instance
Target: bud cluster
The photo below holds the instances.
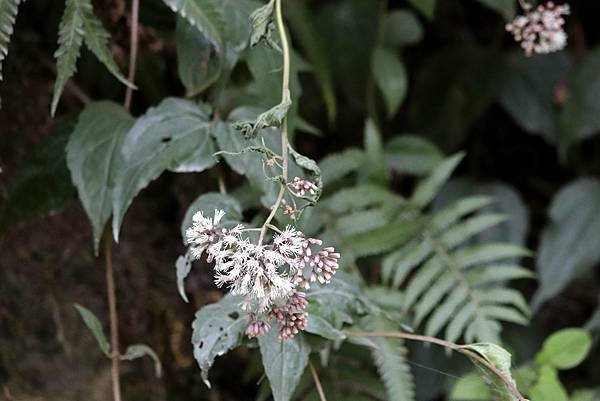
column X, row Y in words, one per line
column 315, row 266
column 303, row 186
column 541, row 30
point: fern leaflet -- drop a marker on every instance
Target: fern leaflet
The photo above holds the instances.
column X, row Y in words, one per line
column 8, row 15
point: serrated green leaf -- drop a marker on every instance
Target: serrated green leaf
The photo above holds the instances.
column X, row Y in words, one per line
column 565, row 349
column 8, row 15
column 569, row 244
column 174, row 136
column 500, row 359
column 205, row 15
column 284, row 362
column 391, row 78
column 92, row 323
column 217, row 328
column 94, row 159
column 78, row 24
column 427, row 189
column 42, row 183
column 136, row 351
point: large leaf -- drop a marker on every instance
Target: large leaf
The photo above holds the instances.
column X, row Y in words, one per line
column 175, row 136
column 79, row 23
column 580, row 118
column 529, row 92
column 284, row 362
column 218, row 328
column 570, row 243
column 501, row 360
column 565, row 349
column 390, row 77
column 94, row 159
column 206, row 15
column 42, row 183
column 548, row 386
column 8, row 15
column 412, row 154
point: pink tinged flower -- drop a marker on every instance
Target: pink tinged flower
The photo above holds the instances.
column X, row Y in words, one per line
column 303, row 186
column 257, row 328
column 322, row 264
column 291, row 316
column 541, row 29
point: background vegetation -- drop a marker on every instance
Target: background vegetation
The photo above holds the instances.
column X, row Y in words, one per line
column 385, row 96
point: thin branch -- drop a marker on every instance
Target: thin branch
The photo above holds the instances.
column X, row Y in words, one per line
column 448, row 344
column 285, row 96
column 114, row 321
column 315, row 376
column 133, row 51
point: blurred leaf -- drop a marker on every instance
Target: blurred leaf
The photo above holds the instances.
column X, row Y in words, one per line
column 390, row 77
column 529, row 92
column 569, row 244
column 321, row 326
column 315, row 47
column 548, row 386
column 470, row 387
column 507, row 201
column 8, row 15
column 412, row 154
column 426, row 7
column 506, row 8
column 183, row 266
column 140, row 350
column 92, row 323
column 375, row 160
column 500, row 359
column 42, row 184
column 175, row 136
column 580, row 118
column 402, row 28
column 95, row 160
column 284, row 362
column 79, row 23
column 261, row 21
column 565, row 349
column 217, row 328
column 453, row 89
column 336, row 165
column 430, row 186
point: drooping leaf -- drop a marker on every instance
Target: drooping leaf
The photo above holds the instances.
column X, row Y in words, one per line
column 402, row 28
column 183, row 266
column 92, row 323
column 565, row 349
column 136, row 351
column 412, row 154
column 261, row 22
column 569, row 244
column 506, row 8
column 42, row 184
column 174, row 136
column 217, row 328
column 8, row 15
column 501, row 360
column 78, row 24
column 391, row 78
column 270, row 118
column 284, row 362
column 94, row 159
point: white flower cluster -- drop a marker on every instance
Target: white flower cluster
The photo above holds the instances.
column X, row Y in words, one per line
column 541, row 30
column 265, row 274
column 303, row 186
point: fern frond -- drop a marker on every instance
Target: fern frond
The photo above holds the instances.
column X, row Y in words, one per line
column 454, row 283
column 338, row 165
column 79, row 23
column 359, row 197
column 389, row 355
column 8, row 15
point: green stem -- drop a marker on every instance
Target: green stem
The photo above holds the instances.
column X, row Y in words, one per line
column 285, row 96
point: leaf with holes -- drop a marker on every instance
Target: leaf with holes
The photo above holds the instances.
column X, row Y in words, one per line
column 217, row 328
column 174, row 136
